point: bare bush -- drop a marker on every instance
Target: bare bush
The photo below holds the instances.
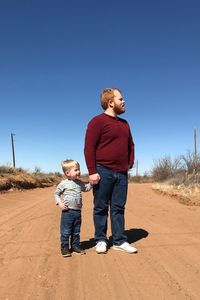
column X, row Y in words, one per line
column 163, row 168
column 189, row 163
column 182, row 170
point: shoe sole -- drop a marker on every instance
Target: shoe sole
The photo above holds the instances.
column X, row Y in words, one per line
column 79, row 253
column 101, row 252
column 119, row 249
column 66, row 255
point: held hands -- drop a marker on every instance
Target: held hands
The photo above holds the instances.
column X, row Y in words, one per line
column 94, row 179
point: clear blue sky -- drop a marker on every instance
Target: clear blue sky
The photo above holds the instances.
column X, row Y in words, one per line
column 56, row 57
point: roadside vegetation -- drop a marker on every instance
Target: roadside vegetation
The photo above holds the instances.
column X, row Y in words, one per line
column 146, row 178
column 179, row 177
column 18, row 178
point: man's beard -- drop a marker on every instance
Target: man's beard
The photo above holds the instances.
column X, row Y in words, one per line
column 118, row 110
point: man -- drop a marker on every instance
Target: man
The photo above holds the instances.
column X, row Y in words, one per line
column 109, row 153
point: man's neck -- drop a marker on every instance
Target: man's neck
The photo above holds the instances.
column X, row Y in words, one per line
column 109, row 111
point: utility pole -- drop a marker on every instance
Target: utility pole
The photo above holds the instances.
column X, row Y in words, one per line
column 136, row 167
column 195, row 148
column 13, row 148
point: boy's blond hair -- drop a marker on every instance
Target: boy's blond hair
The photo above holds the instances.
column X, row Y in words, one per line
column 106, row 95
column 67, row 164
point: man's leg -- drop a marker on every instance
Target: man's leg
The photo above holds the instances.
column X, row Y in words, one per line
column 117, row 208
column 102, row 195
column 117, row 214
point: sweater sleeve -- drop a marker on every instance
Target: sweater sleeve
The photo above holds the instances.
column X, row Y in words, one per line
column 131, row 151
column 58, row 192
column 92, row 138
column 85, row 187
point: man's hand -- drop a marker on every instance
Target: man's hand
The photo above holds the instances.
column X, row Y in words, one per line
column 63, row 206
column 94, row 178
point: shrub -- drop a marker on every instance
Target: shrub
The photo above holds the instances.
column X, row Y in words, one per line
column 11, row 170
column 189, row 164
column 21, row 179
column 163, row 169
column 182, row 170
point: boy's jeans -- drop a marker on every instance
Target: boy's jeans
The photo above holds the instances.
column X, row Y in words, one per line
column 70, row 227
column 110, row 191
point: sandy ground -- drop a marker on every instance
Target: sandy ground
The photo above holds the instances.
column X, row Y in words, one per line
column 166, row 233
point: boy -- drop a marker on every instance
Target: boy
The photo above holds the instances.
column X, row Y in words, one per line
column 70, row 203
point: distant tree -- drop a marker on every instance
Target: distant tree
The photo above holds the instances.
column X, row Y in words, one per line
column 163, row 168
column 37, row 170
column 189, row 164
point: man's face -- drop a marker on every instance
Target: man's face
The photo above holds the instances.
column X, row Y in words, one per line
column 118, row 103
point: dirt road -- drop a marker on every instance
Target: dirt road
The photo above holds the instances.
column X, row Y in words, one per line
column 166, row 233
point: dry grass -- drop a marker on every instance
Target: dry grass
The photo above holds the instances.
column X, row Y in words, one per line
column 188, row 195
column 13, row 178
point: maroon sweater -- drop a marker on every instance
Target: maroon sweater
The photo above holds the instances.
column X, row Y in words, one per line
column 108, row 142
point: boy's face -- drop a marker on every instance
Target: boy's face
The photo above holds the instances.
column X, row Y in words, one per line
column 74, row 173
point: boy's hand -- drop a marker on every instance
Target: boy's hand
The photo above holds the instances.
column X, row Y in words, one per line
column 63, row 206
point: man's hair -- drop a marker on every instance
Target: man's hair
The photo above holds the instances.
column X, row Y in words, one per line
column 67, row 164
column 106, row 95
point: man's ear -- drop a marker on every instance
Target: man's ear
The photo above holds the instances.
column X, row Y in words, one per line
column 110, row 103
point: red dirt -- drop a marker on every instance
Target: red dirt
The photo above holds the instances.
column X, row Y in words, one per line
column 166, row 233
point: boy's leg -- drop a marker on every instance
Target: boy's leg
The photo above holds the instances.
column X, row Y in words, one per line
column 65, row 228
column 75, row 239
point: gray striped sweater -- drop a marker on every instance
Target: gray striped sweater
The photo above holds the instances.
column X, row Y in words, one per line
column 70, row 192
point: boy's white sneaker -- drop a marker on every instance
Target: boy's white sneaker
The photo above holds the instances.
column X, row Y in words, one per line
column 126, row 247
column 101, row 247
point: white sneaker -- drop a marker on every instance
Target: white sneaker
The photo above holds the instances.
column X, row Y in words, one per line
column 126, row 247
column 101, row 247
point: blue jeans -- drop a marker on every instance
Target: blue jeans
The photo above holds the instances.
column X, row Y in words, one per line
column 70, row 225
column 111, row 191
